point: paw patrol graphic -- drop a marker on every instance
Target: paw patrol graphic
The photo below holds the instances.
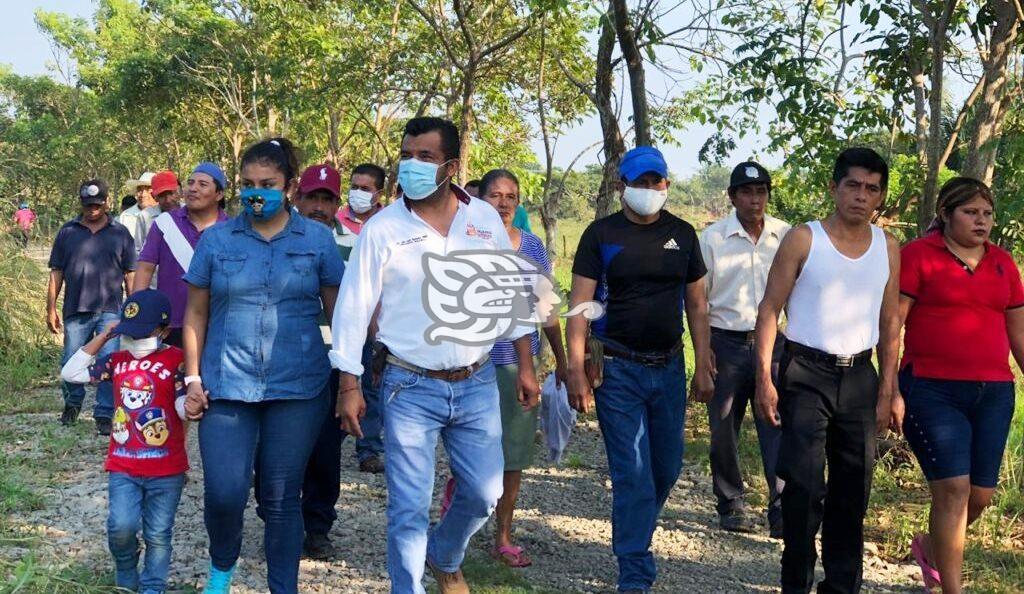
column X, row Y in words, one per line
column 136, row 390
column 119, row 426
column 153, row 426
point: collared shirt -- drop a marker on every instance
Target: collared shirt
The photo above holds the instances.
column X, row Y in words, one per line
column 169, row 272
column 129, row 218
column 143, row 223
column 387, row 266
column 738, row 269
column 262, row 338
column 956, row 328
column 93, row 264
column 346, row 229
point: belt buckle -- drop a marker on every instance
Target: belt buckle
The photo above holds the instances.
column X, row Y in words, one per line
column 844, row 360
column 655, row 361
column 457, row 375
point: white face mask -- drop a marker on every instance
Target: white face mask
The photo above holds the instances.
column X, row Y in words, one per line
column 644, row 202
column 360, row 201
column 140, row 347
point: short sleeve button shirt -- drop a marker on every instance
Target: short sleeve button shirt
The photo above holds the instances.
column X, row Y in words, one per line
column 738, row 269
column 93, row 265
column 263, row 341
column 642, row 273
column 956, row 328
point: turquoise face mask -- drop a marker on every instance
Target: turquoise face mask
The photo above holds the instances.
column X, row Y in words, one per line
column 418, row 178
column 261, row 203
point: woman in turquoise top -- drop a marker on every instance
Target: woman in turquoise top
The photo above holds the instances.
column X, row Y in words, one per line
column 256, row 363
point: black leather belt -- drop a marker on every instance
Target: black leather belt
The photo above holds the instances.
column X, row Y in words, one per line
column 746, row 336
column 822, row 357
column 650, row 359
column 449, row 375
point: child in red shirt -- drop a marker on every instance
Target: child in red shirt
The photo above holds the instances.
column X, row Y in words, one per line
column 146, row 459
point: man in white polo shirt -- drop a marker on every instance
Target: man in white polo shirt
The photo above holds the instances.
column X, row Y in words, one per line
column 438, row 379
column 738, row 252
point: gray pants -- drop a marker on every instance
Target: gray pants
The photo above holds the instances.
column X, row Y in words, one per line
column 734, row 388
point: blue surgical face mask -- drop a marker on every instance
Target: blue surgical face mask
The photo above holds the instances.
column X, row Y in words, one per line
column 418, row 178
column 261, row 203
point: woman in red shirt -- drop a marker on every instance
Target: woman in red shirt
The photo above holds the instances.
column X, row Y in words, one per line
column 963, row 306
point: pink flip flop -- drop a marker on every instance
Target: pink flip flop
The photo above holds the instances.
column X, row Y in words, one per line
column 511, row 556
column 929, row 574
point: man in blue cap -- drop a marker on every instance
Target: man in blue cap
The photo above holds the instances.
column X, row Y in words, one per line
column 644, row 264
column 173, row 237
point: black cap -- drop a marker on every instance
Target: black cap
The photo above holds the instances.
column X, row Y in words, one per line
column 93, row 191
column 749, row 172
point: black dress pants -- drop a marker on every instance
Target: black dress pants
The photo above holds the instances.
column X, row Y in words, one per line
column 828, row 417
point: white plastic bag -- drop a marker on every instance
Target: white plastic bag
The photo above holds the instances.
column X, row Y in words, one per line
column 557, row 418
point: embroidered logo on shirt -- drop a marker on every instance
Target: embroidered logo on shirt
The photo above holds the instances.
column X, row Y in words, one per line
column 472, row 231
column 671, row 244
column 412, row 240
column 476, row 297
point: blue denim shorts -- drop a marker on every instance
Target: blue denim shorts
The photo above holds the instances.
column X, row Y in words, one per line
column 957, row 428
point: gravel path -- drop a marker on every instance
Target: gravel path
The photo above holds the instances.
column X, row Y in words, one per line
column 563, row 521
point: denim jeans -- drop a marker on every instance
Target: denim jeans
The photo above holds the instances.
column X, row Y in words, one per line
column 371, row 443
column 78, row 330
column 467, row 417
column 641, row 411
column 151, row 502
column 229, row 434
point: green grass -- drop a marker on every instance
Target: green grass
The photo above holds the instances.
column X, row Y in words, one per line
column 994, row 560
column 30, row 352
column 491, row 577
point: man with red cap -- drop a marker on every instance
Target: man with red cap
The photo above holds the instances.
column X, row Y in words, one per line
column 319, row 199
column 166, row 193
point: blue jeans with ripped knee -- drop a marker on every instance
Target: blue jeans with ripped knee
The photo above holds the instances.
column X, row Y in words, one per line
column 641, row 410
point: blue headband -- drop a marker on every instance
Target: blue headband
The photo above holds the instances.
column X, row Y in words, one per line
column 213, row 171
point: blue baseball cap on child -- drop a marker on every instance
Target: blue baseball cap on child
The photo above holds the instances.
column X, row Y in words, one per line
column 143, row 313
column 641, row 160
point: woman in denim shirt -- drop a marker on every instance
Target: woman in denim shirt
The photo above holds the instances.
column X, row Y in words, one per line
column 256, row 361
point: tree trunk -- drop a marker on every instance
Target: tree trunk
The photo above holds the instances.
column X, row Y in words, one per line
column 333, row 150
column 938, row 24
column 613, row 147
column 466, row 120
column 984, row 142
column 635, row 68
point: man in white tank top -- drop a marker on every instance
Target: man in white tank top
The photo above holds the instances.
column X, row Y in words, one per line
column 839, row 281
